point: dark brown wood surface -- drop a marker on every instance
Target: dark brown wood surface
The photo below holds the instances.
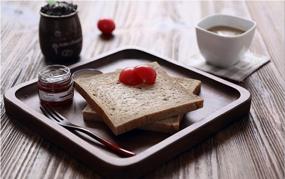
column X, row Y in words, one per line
column 251, row 148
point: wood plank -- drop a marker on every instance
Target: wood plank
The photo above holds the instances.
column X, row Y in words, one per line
column 270, row 17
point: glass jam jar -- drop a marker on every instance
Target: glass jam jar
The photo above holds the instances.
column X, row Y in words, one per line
column 55, row 85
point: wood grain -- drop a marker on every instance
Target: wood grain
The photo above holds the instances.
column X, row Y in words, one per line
column 251, row 148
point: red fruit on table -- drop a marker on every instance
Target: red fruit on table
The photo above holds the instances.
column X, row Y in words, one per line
column 106, row 26
column 129, row 77
column 146, row 73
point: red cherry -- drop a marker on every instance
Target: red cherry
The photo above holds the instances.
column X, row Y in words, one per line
column 146, row 73
column 106, row 26
column 129, row 77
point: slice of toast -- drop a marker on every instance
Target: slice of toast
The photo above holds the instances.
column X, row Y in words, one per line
column 124, row 108
column 191, row 85
column 168, row 125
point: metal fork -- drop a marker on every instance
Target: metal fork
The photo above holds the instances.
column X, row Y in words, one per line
column 59, row 119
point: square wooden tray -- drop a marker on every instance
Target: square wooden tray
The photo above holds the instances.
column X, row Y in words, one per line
column 223, row 103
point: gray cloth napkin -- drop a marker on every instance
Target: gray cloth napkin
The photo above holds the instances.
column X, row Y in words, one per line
column 238, row 72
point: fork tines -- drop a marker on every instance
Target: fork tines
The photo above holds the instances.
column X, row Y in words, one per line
column 50, row 113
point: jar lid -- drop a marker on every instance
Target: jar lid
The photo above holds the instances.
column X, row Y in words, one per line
column 54, row 74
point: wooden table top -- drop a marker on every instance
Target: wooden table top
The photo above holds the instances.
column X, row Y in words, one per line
column 253, row 147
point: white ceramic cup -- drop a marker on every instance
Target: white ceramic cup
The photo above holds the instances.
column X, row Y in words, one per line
column 224, row 51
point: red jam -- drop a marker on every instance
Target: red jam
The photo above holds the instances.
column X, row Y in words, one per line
column 55, row 85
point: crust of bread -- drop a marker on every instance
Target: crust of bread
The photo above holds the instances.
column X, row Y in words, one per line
column 189, row 84
column 169, row 125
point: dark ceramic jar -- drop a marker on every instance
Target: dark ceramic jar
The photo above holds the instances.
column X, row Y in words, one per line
column 60, row 37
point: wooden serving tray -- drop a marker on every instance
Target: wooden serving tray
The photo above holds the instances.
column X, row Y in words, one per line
column 223, row 103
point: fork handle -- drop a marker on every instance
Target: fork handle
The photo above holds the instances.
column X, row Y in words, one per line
column 111, row 146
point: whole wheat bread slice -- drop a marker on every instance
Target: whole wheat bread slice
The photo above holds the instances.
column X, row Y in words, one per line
column 168, row 125
column 124, row 108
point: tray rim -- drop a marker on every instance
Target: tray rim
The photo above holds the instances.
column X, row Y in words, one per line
column 244, row 96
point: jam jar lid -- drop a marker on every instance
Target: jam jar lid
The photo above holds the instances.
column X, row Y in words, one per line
column 54, row 74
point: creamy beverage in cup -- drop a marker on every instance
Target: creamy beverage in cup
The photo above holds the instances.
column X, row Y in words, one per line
column 224, row 39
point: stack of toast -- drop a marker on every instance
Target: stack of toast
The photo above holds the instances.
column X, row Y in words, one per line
column 159, row 107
